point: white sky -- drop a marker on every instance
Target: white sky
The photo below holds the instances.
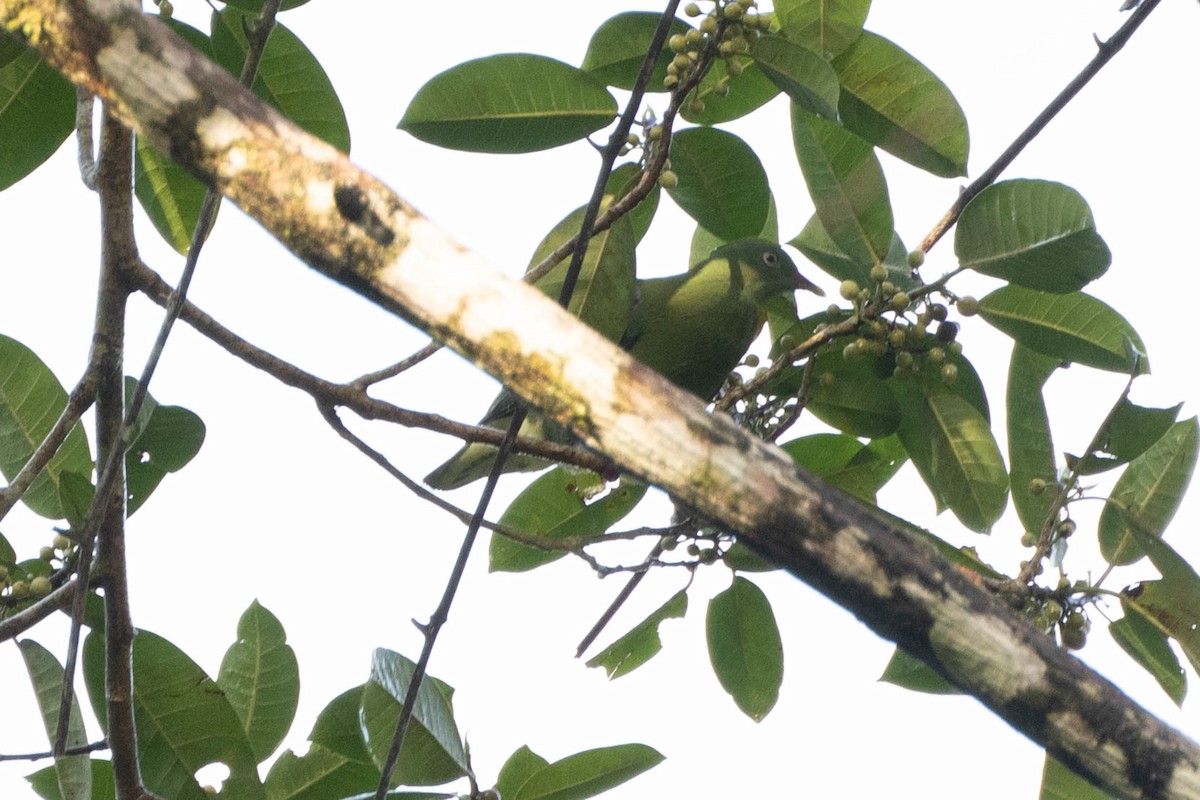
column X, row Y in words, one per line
column 277, row 508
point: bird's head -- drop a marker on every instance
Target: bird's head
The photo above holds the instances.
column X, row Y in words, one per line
column 767, row 269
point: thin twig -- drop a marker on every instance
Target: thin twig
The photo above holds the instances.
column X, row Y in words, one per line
column 616, row 141
column 1105, row 52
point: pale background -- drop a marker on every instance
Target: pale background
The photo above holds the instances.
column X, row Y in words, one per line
column 277, row 508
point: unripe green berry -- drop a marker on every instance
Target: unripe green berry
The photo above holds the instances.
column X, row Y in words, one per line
column 916, row 258
column 878, row 273
column 967, row 306
column 949, row 374
column 900, row 301
column 849, row 289
column 668, row 179
column 39, row 587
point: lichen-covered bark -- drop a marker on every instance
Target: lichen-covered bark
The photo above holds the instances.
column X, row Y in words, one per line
column 348, row 225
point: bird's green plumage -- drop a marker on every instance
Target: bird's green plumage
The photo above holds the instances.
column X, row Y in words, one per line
column 693, row 328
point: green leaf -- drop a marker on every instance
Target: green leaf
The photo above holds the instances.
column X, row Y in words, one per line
column 319, row 774
column 800, row 73
column 12, row 47
column 722, row 184
column 519, row 767
column 1130, row 432
column 433, row 751
column 170, row 196
column 1037, row 234
column 337, row 728
column 817, row 246
column 31, row 400
column 589, row 773
column 847, row 187
column 847, row 464
column 166, row 439
column 37, row 114
column 894, row 102
column 1030, row 445
column 744, row 647
column 514, row 103
column 951, row 445
column 911, row 673
column 45, row 782
column 256, row 5
column 556, row 505
column 827, row 27
column 1148, row 493
column 604, row 293
column 1060, row 783
column 183, row 719
column 1147, row 644
column 748, row 90
column 618, row 48
column 852, row 396
column 73, row 773
column 1073, row 327
column 641, row 643
column 290, row 77
column 622, row 181
column 261, row 679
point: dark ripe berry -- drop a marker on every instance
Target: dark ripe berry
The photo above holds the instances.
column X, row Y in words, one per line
column 938, row 312
column 947, row 331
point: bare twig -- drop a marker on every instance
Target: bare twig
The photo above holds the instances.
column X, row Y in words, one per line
column 1104, row 53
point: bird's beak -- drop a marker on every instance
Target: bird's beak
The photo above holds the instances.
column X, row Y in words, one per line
column 804, row 283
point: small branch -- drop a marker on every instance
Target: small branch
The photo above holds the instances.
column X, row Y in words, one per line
column 79, row 401
column 1105, row 52
column 70, row 751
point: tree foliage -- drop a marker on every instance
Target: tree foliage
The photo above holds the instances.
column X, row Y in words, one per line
column 882, row 370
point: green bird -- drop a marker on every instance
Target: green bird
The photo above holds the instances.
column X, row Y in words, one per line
column 692, row 328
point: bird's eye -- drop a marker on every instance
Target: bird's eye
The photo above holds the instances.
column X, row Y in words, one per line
column 770, row 259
